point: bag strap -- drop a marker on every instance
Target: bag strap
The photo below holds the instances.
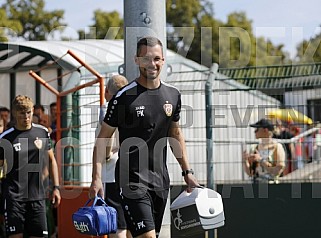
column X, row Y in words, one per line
column 275, row 155
column 86, row 204
column 96, row 199
column 99, row 199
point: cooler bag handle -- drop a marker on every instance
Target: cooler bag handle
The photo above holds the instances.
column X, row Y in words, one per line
column 193, row 189
column 193, row 193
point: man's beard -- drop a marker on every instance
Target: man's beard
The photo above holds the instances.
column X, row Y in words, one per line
column 143, row 71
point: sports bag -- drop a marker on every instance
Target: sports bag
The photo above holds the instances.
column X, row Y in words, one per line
column 98, row 219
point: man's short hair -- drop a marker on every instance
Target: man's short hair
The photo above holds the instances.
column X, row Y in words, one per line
column 22, row 103
column 4, row 109
column 148, row 41
column 115, row 83
column 39, row 106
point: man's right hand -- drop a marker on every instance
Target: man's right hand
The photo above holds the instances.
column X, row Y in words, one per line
column 96, row 188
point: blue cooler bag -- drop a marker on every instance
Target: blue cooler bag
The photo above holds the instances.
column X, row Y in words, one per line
column 98, row 219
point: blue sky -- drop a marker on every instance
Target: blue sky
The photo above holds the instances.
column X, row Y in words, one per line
column 282, row 21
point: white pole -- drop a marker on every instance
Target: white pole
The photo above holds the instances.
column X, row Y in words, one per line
column 143, row 18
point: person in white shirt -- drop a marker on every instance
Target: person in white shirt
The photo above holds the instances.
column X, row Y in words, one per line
column 266, row 161
column 108, row 168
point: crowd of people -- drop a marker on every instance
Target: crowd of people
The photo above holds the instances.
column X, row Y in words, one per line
column 131, row 174
column 301, row 151
column 146, row 114
column 7, row 120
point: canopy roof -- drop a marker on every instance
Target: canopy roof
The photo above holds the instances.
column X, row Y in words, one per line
column 22, row 56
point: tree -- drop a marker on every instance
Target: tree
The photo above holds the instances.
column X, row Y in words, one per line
column 192, row 33
column 8, row 27
column 36, row 22
column 310, row 51
column 197, row 35
column 239, row 47
column 108, row 25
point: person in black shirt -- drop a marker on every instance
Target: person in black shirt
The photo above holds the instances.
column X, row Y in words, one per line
column 5, row 115
column 281, row 132
column 113, row 198
column 146, row 113
column 26, row 153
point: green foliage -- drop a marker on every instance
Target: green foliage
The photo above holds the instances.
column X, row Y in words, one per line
column 108, row 25
column 197, row 35
column 310, row 51
column 182, row 13
column 8, row 27
column 240, row 48
column 192, row 33
column 36, row 23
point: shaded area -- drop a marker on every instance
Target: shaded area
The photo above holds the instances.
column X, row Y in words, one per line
column 265, row 211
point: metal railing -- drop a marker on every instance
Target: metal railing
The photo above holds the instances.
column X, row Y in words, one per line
column 277, row 76
column 304, row 169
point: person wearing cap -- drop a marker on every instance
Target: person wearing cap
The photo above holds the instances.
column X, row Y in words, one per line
column 26, row 153
column 265, row 161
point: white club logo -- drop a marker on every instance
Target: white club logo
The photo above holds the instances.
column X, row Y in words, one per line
column 38, row 143
column 168, row 108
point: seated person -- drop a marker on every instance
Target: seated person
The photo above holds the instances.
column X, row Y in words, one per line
column 266, row 161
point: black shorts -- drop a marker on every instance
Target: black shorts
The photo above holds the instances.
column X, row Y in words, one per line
column 25, row 217
column 145, row 212
column 113, row 199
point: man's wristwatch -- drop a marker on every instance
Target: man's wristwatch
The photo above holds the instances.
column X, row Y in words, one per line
column 188, row 171
column 56, row 187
